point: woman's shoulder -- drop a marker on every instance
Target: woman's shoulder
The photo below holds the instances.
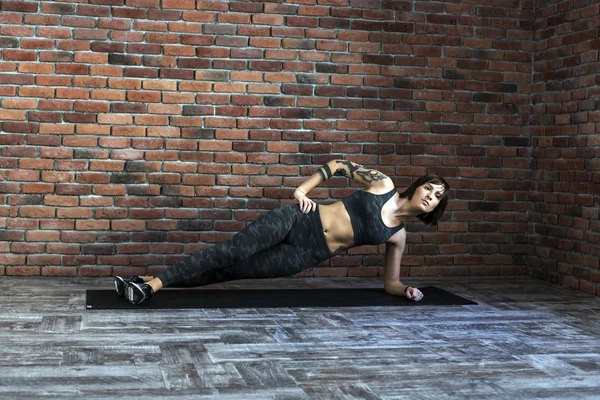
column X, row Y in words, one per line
column 398, row 238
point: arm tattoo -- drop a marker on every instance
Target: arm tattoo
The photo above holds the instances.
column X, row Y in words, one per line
column 351, row 168
column 365, row 174
column 323, row 178
column 341, row 171
column 325, row 172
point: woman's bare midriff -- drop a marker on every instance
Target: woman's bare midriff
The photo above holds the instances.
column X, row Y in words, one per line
column 336, row 226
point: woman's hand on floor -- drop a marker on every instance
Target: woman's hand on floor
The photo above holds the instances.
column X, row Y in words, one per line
column 306, row 204
column 413, row 293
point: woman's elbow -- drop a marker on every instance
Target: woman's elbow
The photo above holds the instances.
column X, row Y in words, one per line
column 392, row 288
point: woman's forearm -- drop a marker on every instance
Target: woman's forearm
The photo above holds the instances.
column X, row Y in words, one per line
column 322, row 174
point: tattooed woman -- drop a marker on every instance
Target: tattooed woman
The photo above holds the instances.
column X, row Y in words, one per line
column 290, row 239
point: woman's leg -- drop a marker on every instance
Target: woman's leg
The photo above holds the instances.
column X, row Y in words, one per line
column 267, row 231
column 278, row 261
column 280, row 243
column 302, row 248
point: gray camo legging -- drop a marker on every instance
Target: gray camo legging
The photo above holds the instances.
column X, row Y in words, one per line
column 281, row 242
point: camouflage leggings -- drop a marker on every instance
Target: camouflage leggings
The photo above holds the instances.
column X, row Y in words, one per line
column 282, row 242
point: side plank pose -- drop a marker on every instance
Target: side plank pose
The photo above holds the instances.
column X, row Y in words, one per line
column 290, row 239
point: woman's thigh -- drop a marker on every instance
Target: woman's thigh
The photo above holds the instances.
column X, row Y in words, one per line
column 277, row 261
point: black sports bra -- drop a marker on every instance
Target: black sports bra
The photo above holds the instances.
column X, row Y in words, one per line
column 364, row 209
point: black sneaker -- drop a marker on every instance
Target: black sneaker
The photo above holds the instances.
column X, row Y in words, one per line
column 121, row 283
column 138, row 292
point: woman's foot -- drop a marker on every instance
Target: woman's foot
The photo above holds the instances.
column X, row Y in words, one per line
column 138, row 292
column 121, row 283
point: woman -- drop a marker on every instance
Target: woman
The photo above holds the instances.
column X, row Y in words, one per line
column 290, row 239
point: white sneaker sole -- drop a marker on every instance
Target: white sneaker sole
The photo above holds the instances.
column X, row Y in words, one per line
column 131, row 291
column 122, row 283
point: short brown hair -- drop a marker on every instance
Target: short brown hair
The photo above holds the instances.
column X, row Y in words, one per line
column 432, row 217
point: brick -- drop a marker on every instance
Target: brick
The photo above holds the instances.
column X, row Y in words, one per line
column 14, row 115
column 59, row 248
column 58, row 271
column 22, row 270
column 114, row 166
column 37, row 212
column 37, row 188
column 94, row 271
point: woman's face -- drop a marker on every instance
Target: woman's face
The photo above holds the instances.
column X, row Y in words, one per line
column 428, row 196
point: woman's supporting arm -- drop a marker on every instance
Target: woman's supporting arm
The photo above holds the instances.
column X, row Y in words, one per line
column 394, row 249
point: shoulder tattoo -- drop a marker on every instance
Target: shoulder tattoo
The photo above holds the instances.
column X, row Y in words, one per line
column 370, row 176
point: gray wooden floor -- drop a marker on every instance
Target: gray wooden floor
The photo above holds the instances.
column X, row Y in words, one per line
column 527, row 339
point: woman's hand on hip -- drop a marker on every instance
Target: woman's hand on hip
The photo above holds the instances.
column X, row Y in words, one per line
column 306, row 204
column 413, row 293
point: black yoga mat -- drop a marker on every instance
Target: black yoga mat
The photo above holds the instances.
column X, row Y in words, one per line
column 269, row 298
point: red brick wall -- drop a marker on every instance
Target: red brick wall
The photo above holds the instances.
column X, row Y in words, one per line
column 136, row 131
column 564, row 241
